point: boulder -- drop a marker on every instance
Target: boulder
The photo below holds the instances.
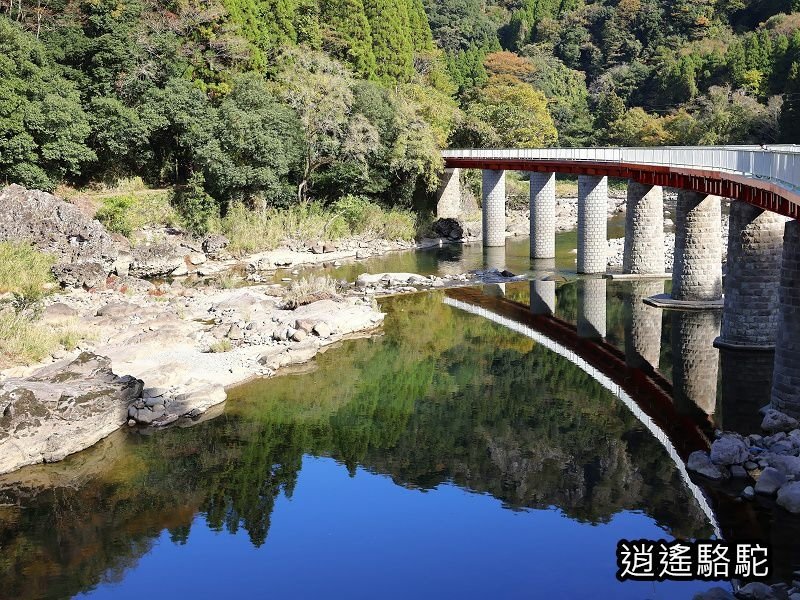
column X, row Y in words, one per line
column 769, row 481
column 54, row 226
column 86, row 275
column 789, row 496
column 775, row 421
column 197, row 258
column 322, row 329
column 729, row 450
column 755, row 590
column 699, row 462
column 214, row 243
column 788, row 465
column 62, row 409
column 154, row 260
column 448, row 228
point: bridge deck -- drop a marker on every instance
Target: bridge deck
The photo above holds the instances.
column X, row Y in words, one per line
column 767, row 178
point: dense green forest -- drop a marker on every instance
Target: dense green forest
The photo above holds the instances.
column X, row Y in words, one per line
column 271, row 102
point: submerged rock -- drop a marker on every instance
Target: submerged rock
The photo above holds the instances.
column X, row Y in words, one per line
column 789, row 497
column 62, row 409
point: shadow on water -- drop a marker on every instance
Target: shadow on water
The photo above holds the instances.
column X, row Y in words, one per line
column 442, row 402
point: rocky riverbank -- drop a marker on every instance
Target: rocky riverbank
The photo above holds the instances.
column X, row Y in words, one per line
column 167, row 325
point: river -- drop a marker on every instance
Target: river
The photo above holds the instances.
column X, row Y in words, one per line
column 449, row 456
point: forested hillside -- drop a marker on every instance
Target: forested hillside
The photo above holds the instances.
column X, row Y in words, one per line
column 271, row 102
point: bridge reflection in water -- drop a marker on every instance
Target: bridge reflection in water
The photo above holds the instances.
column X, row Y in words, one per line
column 644, row 391
column 680, row 414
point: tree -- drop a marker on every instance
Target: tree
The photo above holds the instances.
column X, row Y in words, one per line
column 43, row 129
column 348, row 34
column 319, row 90
column 256, row 145
column 392, row 39
column 637, row 128
column 516, row 111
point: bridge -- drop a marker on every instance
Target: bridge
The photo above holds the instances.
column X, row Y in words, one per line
column 761, row 300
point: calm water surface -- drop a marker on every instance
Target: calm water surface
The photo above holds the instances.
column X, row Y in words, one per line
column 450, row 457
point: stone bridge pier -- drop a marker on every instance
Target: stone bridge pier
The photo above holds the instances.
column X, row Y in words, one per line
column 786, row 373
column 543, row 215
column 493, row 209
column 644, row 230
column 592, row 224
column 755, row 245
column 591, row 308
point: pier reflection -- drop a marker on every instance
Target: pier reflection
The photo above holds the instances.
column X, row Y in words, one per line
column 695, row 360
column 592, row 308
column 746, row 382
column 643, row 325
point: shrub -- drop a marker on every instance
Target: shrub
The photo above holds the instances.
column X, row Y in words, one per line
column 25, row 272
column 126, row 213
column 308, row 290
column 24, row 341
column 196, row 208
column 223, row 345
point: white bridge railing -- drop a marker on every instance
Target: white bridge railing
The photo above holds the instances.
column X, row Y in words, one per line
column 779, row 164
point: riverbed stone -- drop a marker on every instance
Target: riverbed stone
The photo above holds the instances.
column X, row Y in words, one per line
column 322, row 329
column 156, row 260
column 699, row 462
column 729, row 450
column 213, row 244
column 769, row 481
column 62, row 409
column 755, row 590
column 789, row 496
column 86, row 275
column 775, row 420
column 299, row 335
column 738, row 472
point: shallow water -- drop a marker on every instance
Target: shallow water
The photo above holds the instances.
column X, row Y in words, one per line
column 448, row 457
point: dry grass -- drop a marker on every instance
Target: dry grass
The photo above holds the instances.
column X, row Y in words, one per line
column 24, row 272
column 309, row 289
column 223, row 345
column 25, row 341
column 255, row 231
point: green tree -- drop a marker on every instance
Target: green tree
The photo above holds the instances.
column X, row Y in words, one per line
column 348, row 34
column 516, row 111
column 392, row 38
column 43, row 129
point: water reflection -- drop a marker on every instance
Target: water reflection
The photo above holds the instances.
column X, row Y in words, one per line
column 592, row 308
column 441, row 399
column 642, row 325
column 746, row 382
column 695, row 365
column 542, row 296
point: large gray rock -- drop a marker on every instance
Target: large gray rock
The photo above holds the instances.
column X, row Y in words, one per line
column 769, row 481
column 775, row 421
column 55, row 227
column 729, row 450
column 86, row 275
column 155, row 260
column 789, row 497
column 448, row 228
column 699, row 462
column 755, row 590
column 62, row 409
